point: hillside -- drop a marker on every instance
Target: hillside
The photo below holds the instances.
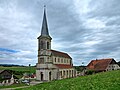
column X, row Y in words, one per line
column 22, row 69
column 101, row 81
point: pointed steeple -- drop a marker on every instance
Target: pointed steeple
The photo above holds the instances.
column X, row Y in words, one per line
column 44, row 29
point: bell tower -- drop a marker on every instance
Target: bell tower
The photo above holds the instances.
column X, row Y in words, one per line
column 44, row 42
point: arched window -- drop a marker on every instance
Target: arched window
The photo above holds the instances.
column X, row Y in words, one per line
column 41, row 45
column 47, row 45
column 58, row 60
column 61, row 60
column 55, row 59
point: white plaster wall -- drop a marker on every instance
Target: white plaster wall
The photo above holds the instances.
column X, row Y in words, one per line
column 113, row 67
column 65, row 60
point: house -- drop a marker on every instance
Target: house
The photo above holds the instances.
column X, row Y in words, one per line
column 7, row 78
column 52, row 64
column 5, row 74
column 100, row 65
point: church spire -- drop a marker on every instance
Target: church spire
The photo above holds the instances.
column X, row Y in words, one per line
column 44, row 29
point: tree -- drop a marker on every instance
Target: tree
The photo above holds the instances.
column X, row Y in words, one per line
column 118, row 63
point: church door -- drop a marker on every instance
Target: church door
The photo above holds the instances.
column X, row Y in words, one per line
column 50, row 76
column 41, row 76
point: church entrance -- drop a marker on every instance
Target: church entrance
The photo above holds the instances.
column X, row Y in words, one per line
column 50, row 76
column 41, row 76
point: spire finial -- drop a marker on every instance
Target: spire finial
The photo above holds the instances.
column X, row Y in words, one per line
column 44, row 6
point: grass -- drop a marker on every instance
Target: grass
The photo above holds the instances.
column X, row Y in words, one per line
column 102, row 81
column 22, row 69
column 13, row 86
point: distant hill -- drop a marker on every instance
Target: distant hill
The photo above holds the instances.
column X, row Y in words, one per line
column 19, row 68
column 101, row 81
column 10, row 65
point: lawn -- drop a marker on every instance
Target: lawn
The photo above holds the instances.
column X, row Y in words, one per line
column 102, row 81
column 22, row 69
column 13, row 86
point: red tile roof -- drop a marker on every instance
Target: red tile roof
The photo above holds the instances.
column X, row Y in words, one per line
column 60, row 54
column 63, row 66
column 99, row 65
column 1, row 71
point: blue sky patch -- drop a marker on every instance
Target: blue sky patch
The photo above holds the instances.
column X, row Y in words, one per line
column 8, row 50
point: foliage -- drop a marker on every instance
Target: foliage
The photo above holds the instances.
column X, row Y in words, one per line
column 101, row 81
column 89, row 72
column 1, row 78
column 118, row 63
column 80, row 68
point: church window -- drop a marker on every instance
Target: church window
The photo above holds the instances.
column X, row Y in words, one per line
column 64, row 61
column 55, row 59
column 64, row 73
column 61, row 60
column 61, row 73
column 47, row 45
column 41, row 60
column 58, row 60
column 68, row 60
column 41, row 45
column 44, row 46
column 48, row 58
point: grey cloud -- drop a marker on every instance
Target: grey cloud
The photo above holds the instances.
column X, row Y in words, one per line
column 20, row 25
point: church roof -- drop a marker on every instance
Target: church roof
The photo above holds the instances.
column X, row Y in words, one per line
column 100, row 64
column 63, row 66
column 60, row 54
column 44, row 29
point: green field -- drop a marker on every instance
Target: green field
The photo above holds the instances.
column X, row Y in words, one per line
column 23, row 69
column 13, row 86
column 101, row 81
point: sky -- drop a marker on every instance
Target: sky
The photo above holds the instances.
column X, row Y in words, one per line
column 85, row 29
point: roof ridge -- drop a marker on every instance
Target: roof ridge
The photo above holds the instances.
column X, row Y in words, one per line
column 59, row 51
column 62, row 54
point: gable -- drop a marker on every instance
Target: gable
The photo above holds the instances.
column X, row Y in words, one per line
column 5, row 74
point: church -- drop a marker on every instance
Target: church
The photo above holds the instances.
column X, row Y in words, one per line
column 52, row 64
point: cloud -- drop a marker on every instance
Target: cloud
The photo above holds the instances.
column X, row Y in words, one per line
column 85, row 29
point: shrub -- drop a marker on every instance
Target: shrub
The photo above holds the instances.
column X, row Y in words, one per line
column 89, row 72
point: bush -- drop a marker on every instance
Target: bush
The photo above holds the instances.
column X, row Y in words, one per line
column 89, row 72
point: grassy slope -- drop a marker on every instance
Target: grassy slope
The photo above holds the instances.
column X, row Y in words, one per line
column 13, row 86
column 101, row 81
column 24, row 69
